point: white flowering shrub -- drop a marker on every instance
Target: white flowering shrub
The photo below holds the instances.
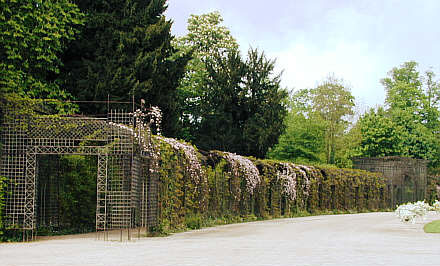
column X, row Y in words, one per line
column 287, row 177
column 436, row 206
column 141, row 132
column 410, row 211
column 156, row 118
column 193, row 165
column 304, row 170
column 241, row 166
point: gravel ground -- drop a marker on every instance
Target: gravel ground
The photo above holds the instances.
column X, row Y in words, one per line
column 357, row 239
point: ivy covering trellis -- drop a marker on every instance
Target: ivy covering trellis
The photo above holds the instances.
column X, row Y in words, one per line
column 238, row 186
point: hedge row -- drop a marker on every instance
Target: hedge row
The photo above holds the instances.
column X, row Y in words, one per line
column 432, row 191
column 220, row 191
column 2, row 204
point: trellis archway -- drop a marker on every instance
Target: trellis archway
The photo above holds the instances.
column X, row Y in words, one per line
column 126, row 190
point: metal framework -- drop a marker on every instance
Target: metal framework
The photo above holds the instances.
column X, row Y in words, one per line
column 406, row 177
column 126, row 195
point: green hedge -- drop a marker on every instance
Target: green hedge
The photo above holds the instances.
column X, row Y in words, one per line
column 2, row 204
column 222, row 196
column 433, row 181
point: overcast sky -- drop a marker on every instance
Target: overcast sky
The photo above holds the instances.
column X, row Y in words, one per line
column 358, row 41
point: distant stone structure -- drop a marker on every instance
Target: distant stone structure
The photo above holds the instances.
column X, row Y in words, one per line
column 406, row 177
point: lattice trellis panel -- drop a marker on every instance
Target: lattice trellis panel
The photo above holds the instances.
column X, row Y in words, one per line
column 101, row 193
column 68, row 128
column 30, row 191
column 13, row 166
column 121, row 185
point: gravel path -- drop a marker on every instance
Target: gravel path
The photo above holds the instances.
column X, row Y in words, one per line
column 357, row 239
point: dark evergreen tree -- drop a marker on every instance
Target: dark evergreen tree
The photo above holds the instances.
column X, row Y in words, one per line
column 223, row 108
column 123, row 51
column 243, row 107
column 267, row 105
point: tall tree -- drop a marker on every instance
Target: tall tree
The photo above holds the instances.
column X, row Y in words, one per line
column 124, row 50
column 334, row 103
column 432, row 102
column 33, row 34
column 303, row 140
column 413, row 93
column 381, row 136
column 385, row 133
column 404, row 88
column 409, row 125
column 244, row 106
column 266, row 104
column 207, row 39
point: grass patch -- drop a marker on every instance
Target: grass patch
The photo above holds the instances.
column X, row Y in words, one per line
column 432, row 227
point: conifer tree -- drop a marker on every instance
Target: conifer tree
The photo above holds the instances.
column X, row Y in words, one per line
column 244, row 106
column 124, row 50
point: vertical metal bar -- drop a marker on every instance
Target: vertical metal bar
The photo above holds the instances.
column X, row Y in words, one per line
column 29, row 215
column 101, row 193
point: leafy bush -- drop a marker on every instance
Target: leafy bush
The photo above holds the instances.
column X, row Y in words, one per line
column 284, row 190
column 193, row 221
column 2, row 204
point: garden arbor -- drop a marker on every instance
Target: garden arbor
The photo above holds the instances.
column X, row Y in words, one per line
column 406, row 177
column 126, row 194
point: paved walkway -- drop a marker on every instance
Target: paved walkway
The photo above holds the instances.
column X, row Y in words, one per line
column 358, row 239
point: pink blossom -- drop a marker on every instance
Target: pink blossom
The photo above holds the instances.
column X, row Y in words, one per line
column 287, row 177
column 192, row 166
column 243, row 166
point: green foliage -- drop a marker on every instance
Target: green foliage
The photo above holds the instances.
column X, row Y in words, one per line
column 346, row 147
column 409, row 126
column 303, row 141
column 244, row 105
column 404, row 89
column 2, row 204
column 380, row 135
column 333, row 102
column 33, row 33
column 73, row 185
column 124, row 50
column 78, row 198
column 193, row 221
column 179, row 195
column 228, row 103
column 206, row 39
column 265, row 107
column 317, row 125
column 322, row 190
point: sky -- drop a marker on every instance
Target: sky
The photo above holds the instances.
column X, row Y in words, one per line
column 357, row 41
